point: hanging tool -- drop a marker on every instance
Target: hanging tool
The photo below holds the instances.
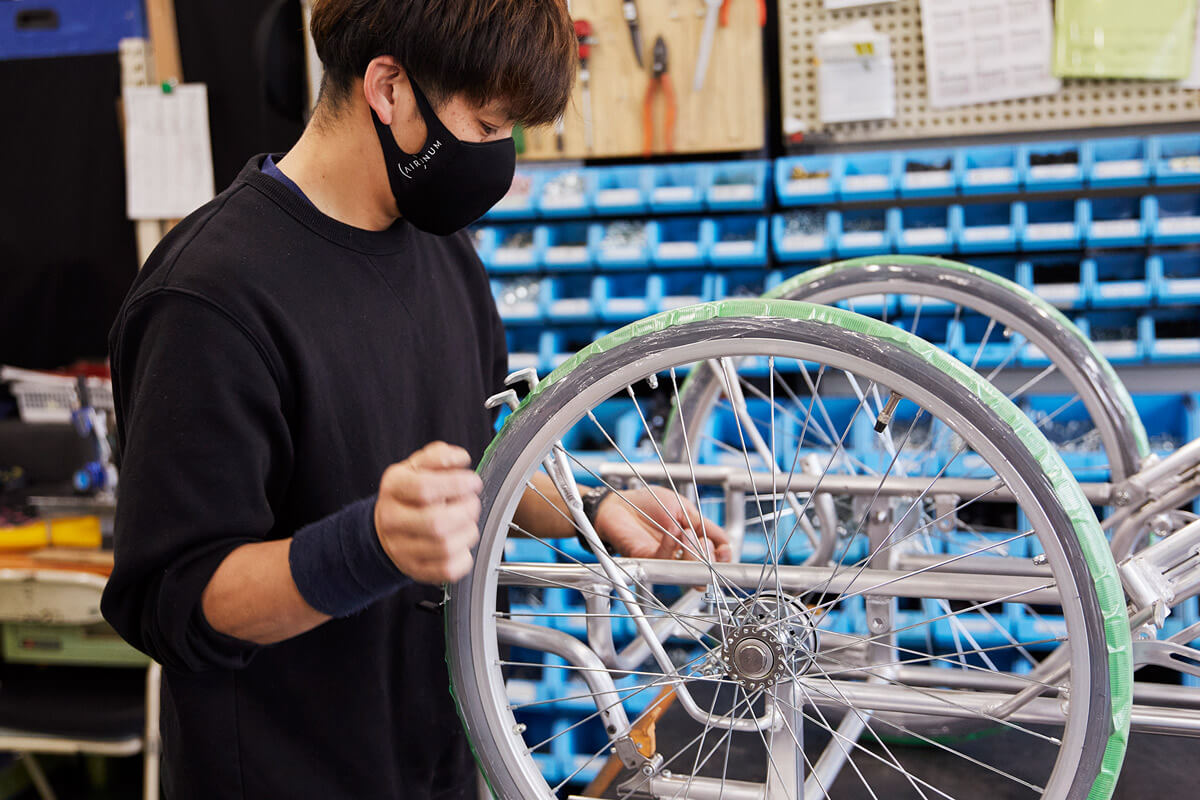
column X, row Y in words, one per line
column 762, row 13
column 712, row 12
column 583, row 32
column 660, row 80
column 629, row 7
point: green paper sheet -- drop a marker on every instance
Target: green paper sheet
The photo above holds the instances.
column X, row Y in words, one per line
column 1149, row 39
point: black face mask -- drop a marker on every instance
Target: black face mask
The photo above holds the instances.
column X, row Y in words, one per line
column 450, row 183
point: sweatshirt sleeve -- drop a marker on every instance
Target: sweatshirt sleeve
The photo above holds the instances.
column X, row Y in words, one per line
column 204, row 448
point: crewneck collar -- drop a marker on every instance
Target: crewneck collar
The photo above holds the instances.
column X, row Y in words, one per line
column 396, row 238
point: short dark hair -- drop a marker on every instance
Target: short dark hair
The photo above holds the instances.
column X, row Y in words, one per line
column 521, row 53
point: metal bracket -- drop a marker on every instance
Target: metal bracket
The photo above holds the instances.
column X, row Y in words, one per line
column 1166, row 572
column 527, row 376
column 1166, row 654
column 505, row 398
column 946, row 509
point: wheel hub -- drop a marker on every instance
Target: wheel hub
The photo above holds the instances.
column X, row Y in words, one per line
column 773, row 638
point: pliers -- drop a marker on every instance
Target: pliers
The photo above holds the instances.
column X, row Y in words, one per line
column 762, row 13
column 630, row 10
column 660, row 80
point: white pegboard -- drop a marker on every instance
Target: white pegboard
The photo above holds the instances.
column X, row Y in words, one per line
column 1080, row 104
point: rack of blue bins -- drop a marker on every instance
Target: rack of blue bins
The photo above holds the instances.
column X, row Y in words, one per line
column 1107, row 230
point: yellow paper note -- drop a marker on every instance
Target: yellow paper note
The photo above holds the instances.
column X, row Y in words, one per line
column 1124, row 39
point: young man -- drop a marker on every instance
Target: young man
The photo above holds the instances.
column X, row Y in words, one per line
column 300, row 372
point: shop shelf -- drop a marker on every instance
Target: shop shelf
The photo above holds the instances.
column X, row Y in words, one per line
column 1120, row 336
column 80, row 27
column 921, row 229
column 738, row 241
column 1171, row 420
column 1117, row 222
column 860, row 232
column 622, row 190
column 985, row 227
column 1057, row 279
column 927, row 173
column 1175, row 336
column 737, row 186
column 1176, row 275
column 623, row 244
column 988, row 169
column 1118, row 162
column 521, row 200
column 738, row 283
column 726, row 428
column 564, row 341
column 678, row 188
column 625, row 297
column 682, row 242
column 570, row 298
column 566, row 193
column 1052, row 166
column 525, row 348
column 567, row 247
column 804, row 180
column 1175, row 218
column 1118, row 280
column 671, row 290
column 1052, row 224
column 1176, row 158
column 803, row 235
column 518, row 299
column 868, row 176
column 1069, row 427
column 514, row 248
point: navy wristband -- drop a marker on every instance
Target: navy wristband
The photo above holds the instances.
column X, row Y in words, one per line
column 339, row 564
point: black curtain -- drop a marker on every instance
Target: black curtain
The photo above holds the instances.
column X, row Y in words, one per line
column 67, row 252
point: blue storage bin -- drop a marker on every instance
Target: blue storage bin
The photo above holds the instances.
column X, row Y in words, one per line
column 988, row 169
column 860, row 232
column 1118, row 162
column 620, row 245
column 1170, row 419
column 738, row 283
column 928, row 173
column 1176, row 158
column 804, row 180
column 1175, row 336
column 881, row 306
column 803, row 235
column 933, row 328
column 565, row 341
column 588, row 440
column 1119, row 336
column 570, row 298
column 987, row 226
column 622, row 190
column 625, row 297
column 525, row 348
column 682, row 242
column 1176, row 275
column 515, row 248
column 521, row 200
column 868, row 176
column 727, row 429
column 1175, row 218
column 1118, row 280
column 1053, row 224
column 50, row 28
column 738, row 241
column 519, row 299
column 1058, row 280
column 737, row 186
column 1116, row 222
column 677, row 188
column 922, row 229
column 566, row 193
column 1067, row 425
column 566, row 247
column 1052, row 166
column 671, row 290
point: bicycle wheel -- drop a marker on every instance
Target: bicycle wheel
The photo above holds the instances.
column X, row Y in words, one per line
column 807, row 666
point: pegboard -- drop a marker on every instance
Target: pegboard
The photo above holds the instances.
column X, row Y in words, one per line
column 1080, row 103
column 726, row 115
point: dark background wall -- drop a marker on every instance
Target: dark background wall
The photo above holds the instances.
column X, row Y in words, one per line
column 67, row 253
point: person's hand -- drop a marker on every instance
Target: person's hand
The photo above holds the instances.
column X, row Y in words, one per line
column 657, row 523
column 427, row 513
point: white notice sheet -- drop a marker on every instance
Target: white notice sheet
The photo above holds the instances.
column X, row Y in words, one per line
column 980, row 51
column 168, row 157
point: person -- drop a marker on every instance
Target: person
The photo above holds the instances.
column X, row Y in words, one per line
column 300, row 372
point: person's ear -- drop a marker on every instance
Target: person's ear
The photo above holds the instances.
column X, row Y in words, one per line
column 386, row 90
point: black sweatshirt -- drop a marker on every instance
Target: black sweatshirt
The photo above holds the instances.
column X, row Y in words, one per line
column 268, row 365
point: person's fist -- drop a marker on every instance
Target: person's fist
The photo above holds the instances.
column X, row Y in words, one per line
column 427, row 513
